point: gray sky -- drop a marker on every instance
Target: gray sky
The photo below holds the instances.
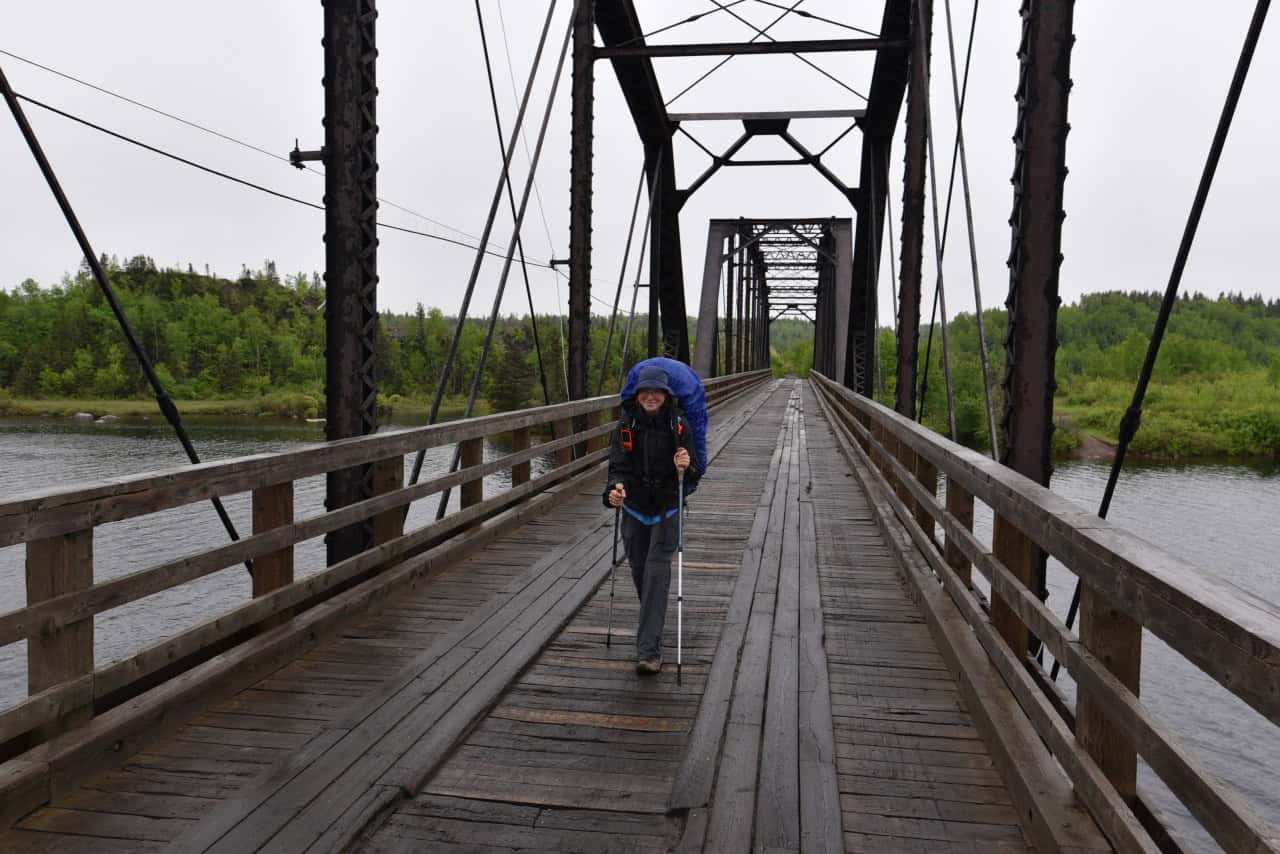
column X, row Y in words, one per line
column 1150, row 78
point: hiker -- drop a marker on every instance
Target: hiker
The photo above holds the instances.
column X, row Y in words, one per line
column 650, row 445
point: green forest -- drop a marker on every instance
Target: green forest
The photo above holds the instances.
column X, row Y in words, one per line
column 255, row 343
column 1215, row 391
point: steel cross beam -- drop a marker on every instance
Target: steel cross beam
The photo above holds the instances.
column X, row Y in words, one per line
column 745, row 48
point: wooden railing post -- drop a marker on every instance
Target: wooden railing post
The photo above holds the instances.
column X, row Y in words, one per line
column 520, row 472
column 472, row 451
column 1117, row 642
column 58, row 565
column 560, row 429
column 388, row 476
column 272, row 508
column 1016, row 551
column 960, row 506
column 927, row 475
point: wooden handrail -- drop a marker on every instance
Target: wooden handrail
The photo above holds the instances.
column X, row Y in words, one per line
column 1153, row 588
column 47, row 518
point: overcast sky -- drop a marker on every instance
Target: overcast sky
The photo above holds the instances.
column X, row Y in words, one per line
column 1150, row 79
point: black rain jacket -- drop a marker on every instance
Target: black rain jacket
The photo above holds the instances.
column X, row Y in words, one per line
column 648, row 470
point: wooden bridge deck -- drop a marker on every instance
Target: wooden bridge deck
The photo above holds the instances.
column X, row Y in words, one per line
column 482, row 710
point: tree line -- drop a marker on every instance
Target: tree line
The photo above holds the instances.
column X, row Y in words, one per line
column 262, row 334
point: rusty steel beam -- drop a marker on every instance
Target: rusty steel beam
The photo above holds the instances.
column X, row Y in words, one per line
column 884, row 104
column 351, row 251
column 581, row 135
column 1035, row 257
column 909, row 287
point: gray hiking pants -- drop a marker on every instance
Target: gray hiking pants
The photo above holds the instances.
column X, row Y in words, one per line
column 650, row 550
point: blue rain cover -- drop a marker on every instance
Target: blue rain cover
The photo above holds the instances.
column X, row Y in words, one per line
column 688, row 390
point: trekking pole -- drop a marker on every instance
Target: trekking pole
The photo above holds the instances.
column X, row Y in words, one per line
column 680, row 576
column 613, row 574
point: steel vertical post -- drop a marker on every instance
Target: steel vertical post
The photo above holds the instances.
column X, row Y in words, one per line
column 1035, row 259
column 913, row 213
column 580, row 157
column 351, row 251
column 730, row 347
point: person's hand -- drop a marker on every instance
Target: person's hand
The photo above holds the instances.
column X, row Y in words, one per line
column 617, row 495
column 681, row 460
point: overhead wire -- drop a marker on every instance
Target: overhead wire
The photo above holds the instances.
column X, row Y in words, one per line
column 514, row 242
column 537, row 196
column 622, row 276
column 511, row 200
column 241, row 181
column 163, row 400
column 940, row 290
column 212, row 132
column 494, row 204
column 968, row 213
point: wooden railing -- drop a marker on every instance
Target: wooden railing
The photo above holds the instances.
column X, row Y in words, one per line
column 1128, row 585
column 57, row 527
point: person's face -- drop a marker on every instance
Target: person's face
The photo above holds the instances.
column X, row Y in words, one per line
column 651, row 399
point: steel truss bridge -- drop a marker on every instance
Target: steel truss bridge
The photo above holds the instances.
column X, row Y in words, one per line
column 848, row 681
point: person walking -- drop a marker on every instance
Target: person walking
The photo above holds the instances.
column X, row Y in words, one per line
column 651, row 447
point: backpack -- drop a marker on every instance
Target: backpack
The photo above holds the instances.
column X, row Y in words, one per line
column 688, row 391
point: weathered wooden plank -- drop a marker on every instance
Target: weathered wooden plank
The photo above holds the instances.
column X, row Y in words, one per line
column 694, row 781
column 1035, row 781
column 777, row 811
column 98, row 825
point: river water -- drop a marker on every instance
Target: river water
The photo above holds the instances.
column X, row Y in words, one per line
column 1219, row 518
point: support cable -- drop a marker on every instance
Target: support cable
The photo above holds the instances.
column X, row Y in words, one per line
column 511, row 201
column 212, row 132
column 940, row 290
column 622, row 277
column 511, row 248
column 488, row 228
column 537, row 195
column 968, row 215
column 635, row 287
column 946, row 216
column 163, row 400
column 801, row 57
column 1132, row 418
column 722, row 62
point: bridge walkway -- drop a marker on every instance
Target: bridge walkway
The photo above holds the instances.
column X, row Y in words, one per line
column 483, row 711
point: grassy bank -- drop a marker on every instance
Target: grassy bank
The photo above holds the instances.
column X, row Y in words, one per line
column 287, row 405
column 1236, row 416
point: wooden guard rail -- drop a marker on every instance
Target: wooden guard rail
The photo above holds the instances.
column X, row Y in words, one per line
column 57, row 525
column 1128, row 585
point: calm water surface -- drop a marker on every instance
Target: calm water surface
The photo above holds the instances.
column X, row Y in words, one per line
column 1221, row 519
column 37, row 453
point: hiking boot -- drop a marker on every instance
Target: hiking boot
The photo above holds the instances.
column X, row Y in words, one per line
column 649, row 666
